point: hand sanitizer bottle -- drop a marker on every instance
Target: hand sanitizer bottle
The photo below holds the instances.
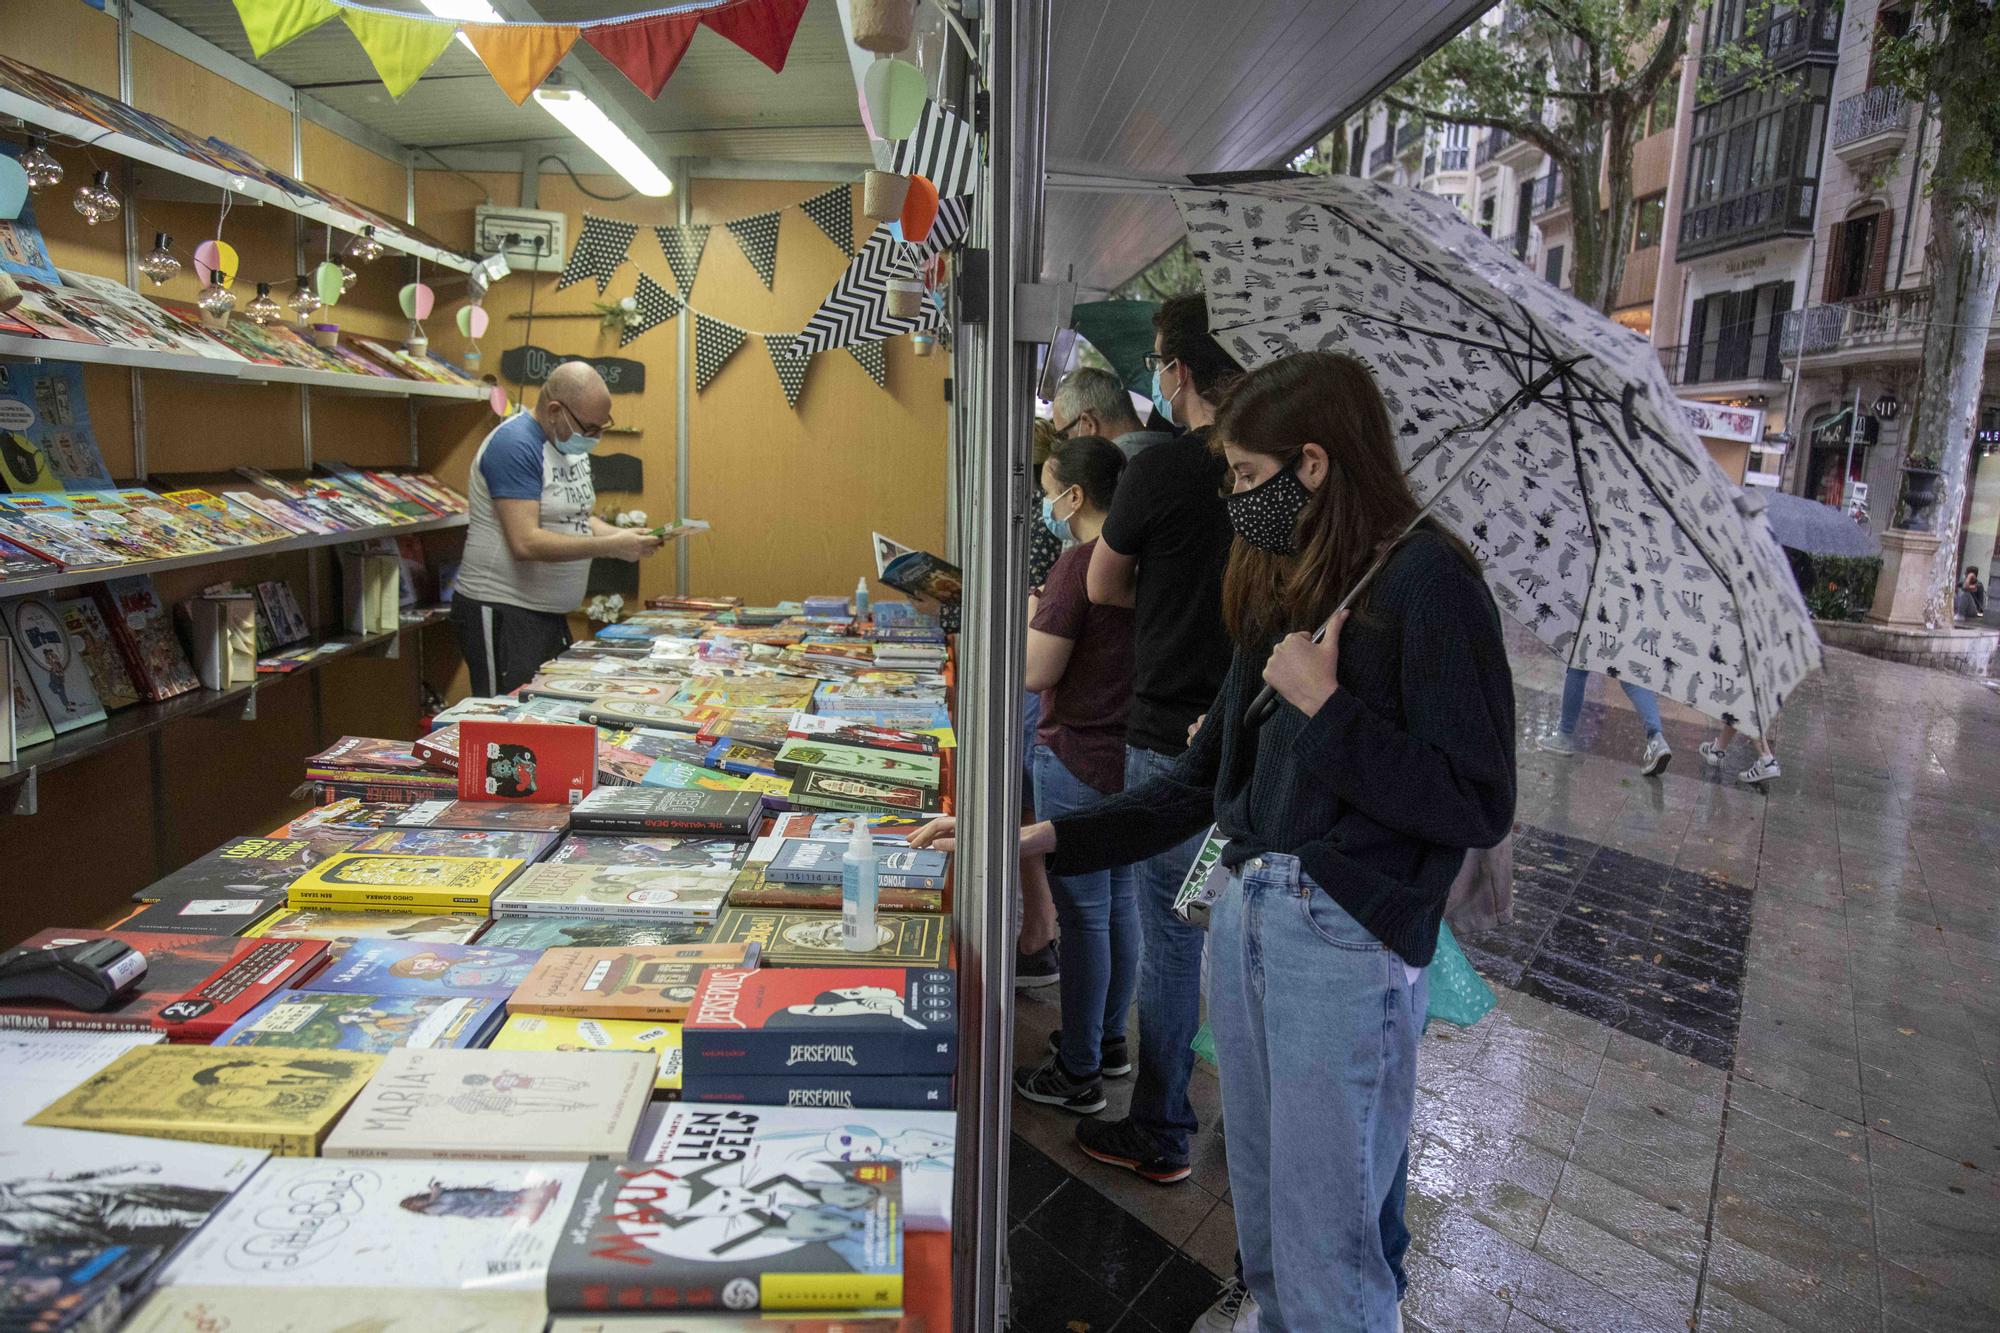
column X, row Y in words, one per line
column 858, row 889
column 861, row 601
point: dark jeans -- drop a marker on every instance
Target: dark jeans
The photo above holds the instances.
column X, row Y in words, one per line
column 1169, row 983
column 505, row 646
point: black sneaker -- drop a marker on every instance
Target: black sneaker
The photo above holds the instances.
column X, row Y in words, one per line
column 1052, row 1085
column 1032, row 971
column 1122, row 1143
column 1114, row 1058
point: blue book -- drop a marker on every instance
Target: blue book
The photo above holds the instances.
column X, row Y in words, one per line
column 906, row 1092
column 411, row 967
column 370, row 1024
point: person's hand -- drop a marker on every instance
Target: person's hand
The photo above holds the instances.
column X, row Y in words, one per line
column 631, row 544
column 1038, row 839
column 1303, row 672
column 1195, row 726
column 940, row 833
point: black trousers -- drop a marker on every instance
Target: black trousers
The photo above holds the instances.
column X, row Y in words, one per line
column 506, row 645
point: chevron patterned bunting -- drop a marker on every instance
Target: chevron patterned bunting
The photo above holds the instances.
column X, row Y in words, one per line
column 833, row 213
column 683, row 246
column 874, row 359
column 857, row 309
column 714, row 343
column 600, row 249
column 944, row 149
column 758, row 238
column 656, row 305
column 790, row 363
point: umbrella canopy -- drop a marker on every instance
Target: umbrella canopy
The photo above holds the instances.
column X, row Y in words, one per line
column 1601, row 521
column 1816, row 529
column 1123, row 332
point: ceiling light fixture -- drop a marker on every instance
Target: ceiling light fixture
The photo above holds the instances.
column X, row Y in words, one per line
column 602, row 136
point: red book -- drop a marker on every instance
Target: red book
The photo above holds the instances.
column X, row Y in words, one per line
column 174, row 964
column 548, row 763
column 439, row 748
column 238, row 986
column 852, row 1021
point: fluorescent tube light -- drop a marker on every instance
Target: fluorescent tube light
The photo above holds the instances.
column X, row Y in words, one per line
column 587, row 121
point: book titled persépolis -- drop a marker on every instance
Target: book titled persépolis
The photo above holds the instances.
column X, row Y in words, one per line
column 862, row 1021
column 667, row 810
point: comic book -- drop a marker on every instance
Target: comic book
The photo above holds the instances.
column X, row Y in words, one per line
column 258, row 868
column 370, row 1024
column 301, row 1309
column 525, row 817
column 535, row 762
column 806, row 861
column 648, row 982
column 31, row 724
column 923, row 770
column 70, row 1187
column 55, row 663
column 174, row 965
column 548, row 1032
column 259, row 971
column 201, row 916
column 108, row 674
column 572, row 932
column 144, row 630
column 515, row 844
column 855, row 1022
column 69, row 1286
column 823, row 790
column 664, row 810
column 44, row 523
column 408, row 883
column 814, row 939
column 403, row 967
column 343, row 929
column 614, row 892
column 752, row 891
column 49, row 397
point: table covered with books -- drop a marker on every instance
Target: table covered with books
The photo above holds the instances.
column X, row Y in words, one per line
column 621, row 1002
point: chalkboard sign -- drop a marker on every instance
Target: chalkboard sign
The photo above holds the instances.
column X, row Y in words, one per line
column 531, row 365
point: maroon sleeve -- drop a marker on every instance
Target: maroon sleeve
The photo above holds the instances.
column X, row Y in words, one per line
column 1065, row 601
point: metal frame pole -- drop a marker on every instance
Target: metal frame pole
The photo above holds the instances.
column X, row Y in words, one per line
column 683, row 357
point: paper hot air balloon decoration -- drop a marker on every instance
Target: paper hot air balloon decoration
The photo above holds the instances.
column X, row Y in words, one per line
column 895, row 92
column 416, row 299
column 472, row 321
column 920, row 209
column 218, row 260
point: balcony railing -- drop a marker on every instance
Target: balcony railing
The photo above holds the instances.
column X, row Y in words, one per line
column 1380, row 156
column 1549, row 194
column 1810, row 31
column 1494, row 144
column 1727, row 359
column 1867, row 114
column 1781, row 209
column 1408, row 133
column 1451, row 159
column 1889, row 319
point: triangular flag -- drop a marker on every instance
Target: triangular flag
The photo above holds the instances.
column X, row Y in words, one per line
column 683, row 246
column 519, row 55
column 758, row 237
column 714, row 343
column 790, row 363
column 647, row 51
column 943, row 150
column 833, row 213
column 600, row 249
column 269, row 24
column 857, row 309
column 656, row 305
column 874, row 360
column 764, row 28
column 401, row 49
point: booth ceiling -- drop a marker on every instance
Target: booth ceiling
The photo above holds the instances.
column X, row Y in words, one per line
column 720, row 103
column 1155, row 89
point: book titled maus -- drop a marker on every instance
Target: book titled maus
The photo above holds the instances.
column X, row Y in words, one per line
column 863, row 1021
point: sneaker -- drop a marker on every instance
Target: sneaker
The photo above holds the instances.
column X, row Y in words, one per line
column 1711, row 754
column 1052, row 1085
column 1114, row 1056
column 1122, row 1143
column 1763, row 770
column 1658, row 755
column 1557, row 742
column 1032, row 971
column 1234, row 1311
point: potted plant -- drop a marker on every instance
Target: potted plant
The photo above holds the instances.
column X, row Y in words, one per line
column 1921, row 479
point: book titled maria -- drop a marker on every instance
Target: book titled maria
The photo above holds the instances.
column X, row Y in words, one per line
column 863, row 1021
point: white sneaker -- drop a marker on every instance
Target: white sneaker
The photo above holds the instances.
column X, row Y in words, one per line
column 1557, row 742
column 1658, row 755
column 1235, row 1311
column 1711, row 754
column 1763, row 770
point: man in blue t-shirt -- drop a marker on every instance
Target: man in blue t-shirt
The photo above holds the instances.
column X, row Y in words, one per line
column 532, row 535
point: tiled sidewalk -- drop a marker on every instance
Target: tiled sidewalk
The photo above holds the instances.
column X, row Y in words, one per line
column 1743, row 1072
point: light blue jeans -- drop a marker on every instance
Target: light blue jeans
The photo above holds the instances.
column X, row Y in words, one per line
column 1099, row 945
column 1316, row 1030
column 1169, row 983
column 1576, row 681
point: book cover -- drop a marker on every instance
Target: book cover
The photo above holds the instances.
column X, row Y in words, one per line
column 404, row 967
column 842, row 791
column 571, row 932
column 595, row 689
column 664, row 810
column 201, row 916
column 721, row 857
column 281, row 1101
column 636, row 893
column 742, row 758
column 898, row 1092
column 174, row 964
column 30, row 723
column 813, row 939
column 436, row 1226
column 247, row 868
column 732, row 1235
column 369, row 1024
column 791, row 695
column 261, row 970
column 809, row 861
column 80, row 1287
column 48, row 397
column 348, row 815
column 887, row 830
column 648, row 982
column 548, row 1032
column 55, row 661
column 856, row 1021
column 342, row 929
column 108, row 675
column 67, row 1187
column 538, row 762
column 846, row 731
column 921, row 1142
column 679, row 775
column 145, row 632
column 753, row 891
column 367, row 754
column 922, row 770
column 504, row 844
column 519, row 1105
column 439, row 747
column 18, row 562
column 302, row 1309
column 411, row 883
column 42, row 1066
column 525, row 817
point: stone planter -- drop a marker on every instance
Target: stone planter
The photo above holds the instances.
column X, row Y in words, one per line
column 1920, row 492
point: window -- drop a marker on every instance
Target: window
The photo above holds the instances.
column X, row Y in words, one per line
column 1661, row 117
column 1652, row 220
column 1857, row 257
column 1357, row 150
column 1524, row 207
column 1889, row 25
column 1486, row 207
column 1553, row 266
column 1734, row 335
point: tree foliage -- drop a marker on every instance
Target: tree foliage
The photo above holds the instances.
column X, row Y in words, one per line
column 1173, row 274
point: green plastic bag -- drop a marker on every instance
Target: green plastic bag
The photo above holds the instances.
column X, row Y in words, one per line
column 1458, row 994
column 1204, row 1044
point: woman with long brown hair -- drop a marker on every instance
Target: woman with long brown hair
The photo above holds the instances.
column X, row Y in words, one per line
column 1347, row 813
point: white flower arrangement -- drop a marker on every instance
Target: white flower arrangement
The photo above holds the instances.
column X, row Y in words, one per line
column 618, row 314
column 605, row 608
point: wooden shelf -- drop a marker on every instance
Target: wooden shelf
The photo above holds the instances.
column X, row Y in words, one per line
column 13, row 347
column 70, row 578
column 245, row 187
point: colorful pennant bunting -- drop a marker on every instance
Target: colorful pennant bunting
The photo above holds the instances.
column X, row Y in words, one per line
column 269, row 24
column 874, row 359
column 790, row 363
column 757, row 236
column 656, row 305
column 714, row 343
column 943, row 148
column 833, row 213
column 519, row 56
column 600, row 249
column 400, row 49
column 683, row 246
column 647, row 51
column 764, row 28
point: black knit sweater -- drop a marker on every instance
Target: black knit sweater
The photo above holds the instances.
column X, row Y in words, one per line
column 1379, row 793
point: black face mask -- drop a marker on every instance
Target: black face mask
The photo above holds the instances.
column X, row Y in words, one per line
column 1267, row 515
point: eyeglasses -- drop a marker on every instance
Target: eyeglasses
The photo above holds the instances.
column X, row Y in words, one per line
column 1157, row 360
column 1063, row 432
column 583, row 428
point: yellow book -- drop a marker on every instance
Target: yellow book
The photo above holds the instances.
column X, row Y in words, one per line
column 282, row 1101
column 546, row 1032
column 407, row 883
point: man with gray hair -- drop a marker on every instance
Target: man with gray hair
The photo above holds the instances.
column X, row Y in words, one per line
column 531, row 534
column 1092, row 402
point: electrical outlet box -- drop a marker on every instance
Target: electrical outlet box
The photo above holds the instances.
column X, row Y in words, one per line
column 531, row 238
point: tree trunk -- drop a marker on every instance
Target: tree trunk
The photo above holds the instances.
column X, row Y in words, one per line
column 1617, row 238
column 1586, row 233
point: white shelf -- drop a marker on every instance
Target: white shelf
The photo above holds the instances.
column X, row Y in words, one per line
column 246, row 187
column 13, row 347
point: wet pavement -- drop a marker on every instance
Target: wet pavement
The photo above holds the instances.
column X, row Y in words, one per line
column 1743, row 1072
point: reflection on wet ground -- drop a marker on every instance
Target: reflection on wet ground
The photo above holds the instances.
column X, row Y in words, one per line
column 1742, row 1074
